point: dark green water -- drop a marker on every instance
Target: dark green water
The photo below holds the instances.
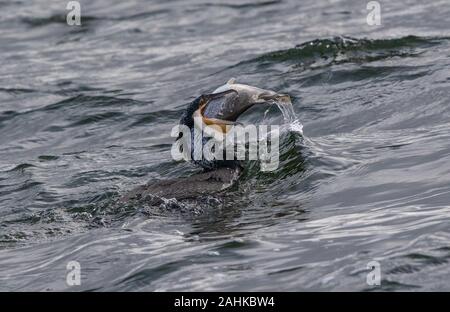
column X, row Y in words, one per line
column 86, row 114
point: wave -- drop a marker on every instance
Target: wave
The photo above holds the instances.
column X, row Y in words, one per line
column 337, row 50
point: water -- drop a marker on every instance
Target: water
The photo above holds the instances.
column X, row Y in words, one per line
column 289, row 116
column 86, row 114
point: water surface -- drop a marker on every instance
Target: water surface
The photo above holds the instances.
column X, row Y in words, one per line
column 86, row 114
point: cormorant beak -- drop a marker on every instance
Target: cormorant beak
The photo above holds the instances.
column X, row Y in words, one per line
column 273, row 97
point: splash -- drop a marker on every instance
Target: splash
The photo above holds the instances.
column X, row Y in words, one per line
column 284, row 103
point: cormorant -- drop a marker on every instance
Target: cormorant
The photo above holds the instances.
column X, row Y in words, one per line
column 213, row 113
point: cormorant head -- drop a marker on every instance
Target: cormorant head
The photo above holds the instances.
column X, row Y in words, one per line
column 222, row 108
column 197, row 107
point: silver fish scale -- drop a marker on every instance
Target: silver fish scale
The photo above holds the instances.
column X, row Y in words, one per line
column 221, row 107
